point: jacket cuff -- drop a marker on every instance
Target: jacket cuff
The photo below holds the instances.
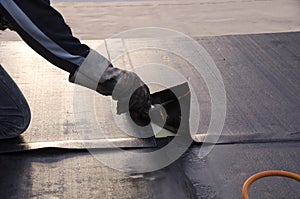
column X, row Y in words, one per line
column 90, row 71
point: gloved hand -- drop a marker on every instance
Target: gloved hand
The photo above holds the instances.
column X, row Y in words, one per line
column 132, row 94
column 129, row 90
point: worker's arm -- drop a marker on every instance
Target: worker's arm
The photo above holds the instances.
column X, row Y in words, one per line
column 45, row 31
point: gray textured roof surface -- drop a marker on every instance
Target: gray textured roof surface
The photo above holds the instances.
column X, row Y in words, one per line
column 261, row 74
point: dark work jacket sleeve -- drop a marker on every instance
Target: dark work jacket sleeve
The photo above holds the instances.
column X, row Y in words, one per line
column 45, row 31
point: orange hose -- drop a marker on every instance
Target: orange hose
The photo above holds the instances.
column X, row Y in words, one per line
column 263, row 174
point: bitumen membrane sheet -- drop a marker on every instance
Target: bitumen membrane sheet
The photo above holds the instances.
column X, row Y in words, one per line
column 67, row 174
column 261, row 74
column 53, row 106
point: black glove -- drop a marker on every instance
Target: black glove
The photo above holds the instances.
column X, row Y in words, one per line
column 132, row 94
column 129, row 90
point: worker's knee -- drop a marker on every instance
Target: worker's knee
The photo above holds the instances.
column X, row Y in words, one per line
column 14, row 109
column 15, row 123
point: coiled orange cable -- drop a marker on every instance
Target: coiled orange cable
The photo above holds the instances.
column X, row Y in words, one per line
column 263, row 174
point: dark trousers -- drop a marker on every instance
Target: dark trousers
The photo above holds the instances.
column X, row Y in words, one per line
column 14, row 110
